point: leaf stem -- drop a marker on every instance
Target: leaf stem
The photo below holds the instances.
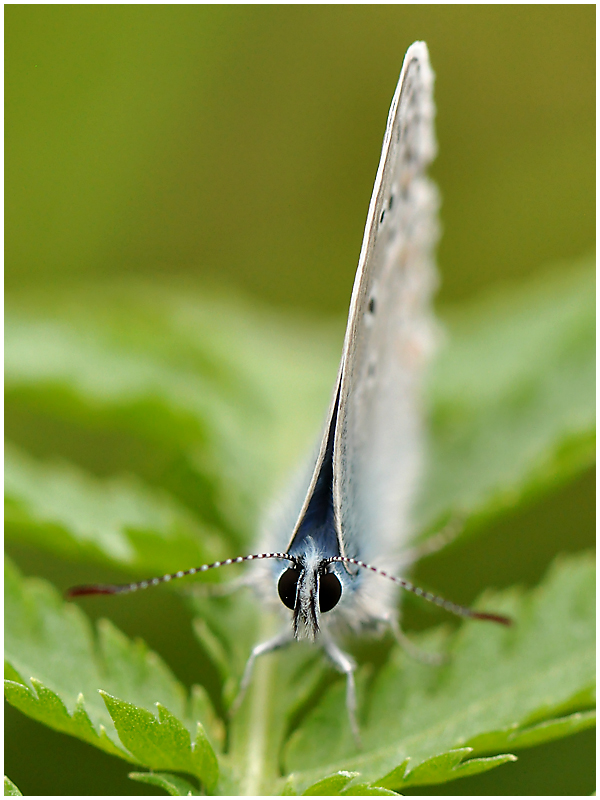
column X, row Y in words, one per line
column 258, row 726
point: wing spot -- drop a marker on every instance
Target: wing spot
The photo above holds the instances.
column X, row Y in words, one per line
column 391, row 202
column 372, row 305
column 382, row 216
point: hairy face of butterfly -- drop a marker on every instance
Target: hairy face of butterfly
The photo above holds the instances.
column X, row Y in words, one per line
column 308, row 592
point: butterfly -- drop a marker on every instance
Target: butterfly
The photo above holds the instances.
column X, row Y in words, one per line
column 333, row 548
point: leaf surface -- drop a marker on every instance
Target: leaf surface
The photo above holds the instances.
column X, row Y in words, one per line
column 202, row 396
column 173, row 784
column 499, row 686
column 10, row 790
column 216, row 403
column 64, row 691
column 170, row 418
column 502, row 688
column 513, row 397
column 117, row 520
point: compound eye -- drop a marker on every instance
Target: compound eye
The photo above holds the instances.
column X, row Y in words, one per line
column 287, row 586
column 330, row 591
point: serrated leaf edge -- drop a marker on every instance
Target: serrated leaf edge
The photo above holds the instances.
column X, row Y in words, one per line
column 99, row 738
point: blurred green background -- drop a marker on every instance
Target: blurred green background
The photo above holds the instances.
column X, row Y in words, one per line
column 237, row 146
column 240, row 143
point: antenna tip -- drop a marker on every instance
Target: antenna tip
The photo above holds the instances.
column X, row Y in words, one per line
column 493, row 618
column 78, row 591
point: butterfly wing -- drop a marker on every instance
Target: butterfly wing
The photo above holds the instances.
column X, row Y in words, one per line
column 378, row 440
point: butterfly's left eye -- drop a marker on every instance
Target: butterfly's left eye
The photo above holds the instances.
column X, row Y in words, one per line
column 330, row 591
column 288, row 587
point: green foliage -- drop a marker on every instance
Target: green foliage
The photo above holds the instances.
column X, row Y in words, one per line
column 194, row 396
column 163, row 743
column 173, row 784
column 500, row 688
column 10, row 790
column 150, row 428
column 513, row 397
column 40, row 628
column 498, row 685
column 117, row 519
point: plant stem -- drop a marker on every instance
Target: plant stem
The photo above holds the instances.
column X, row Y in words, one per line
column 257, row 729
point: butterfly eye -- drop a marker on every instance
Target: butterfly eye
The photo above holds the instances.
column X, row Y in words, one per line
column 330, row 591
column 287, row 587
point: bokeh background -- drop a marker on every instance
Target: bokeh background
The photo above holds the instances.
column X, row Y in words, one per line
column 240, row 143
column 237, row 146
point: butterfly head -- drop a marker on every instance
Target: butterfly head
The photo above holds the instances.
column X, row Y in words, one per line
column 309, row 587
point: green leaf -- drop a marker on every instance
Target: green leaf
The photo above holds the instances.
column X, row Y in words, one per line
column 332, row 784
column 56, row 669
column 397, row 775
column 434, row 769
column 117, row 520
column 367, row 788
column 163, row 743
column 46, row 706
column 513, row 410
column 475, row 766
column 449, row 765
column 201, row 396
column 554, row 729
column 196, row 394
column 545, row 731
column 206, row 409
column 173, row 784
column 497, row 680
column 10, row 790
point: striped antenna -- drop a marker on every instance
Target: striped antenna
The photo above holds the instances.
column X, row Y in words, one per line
column 124, row 588
column 453, row 608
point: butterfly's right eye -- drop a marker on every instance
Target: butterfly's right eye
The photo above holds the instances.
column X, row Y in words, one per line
column 287, row 587
column 330, row 591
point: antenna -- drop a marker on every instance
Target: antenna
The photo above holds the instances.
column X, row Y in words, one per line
column 453, row 608
column 124, row 588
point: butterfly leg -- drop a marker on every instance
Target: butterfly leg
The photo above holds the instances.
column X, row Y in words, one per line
column 282, row 639
column 347, row 665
